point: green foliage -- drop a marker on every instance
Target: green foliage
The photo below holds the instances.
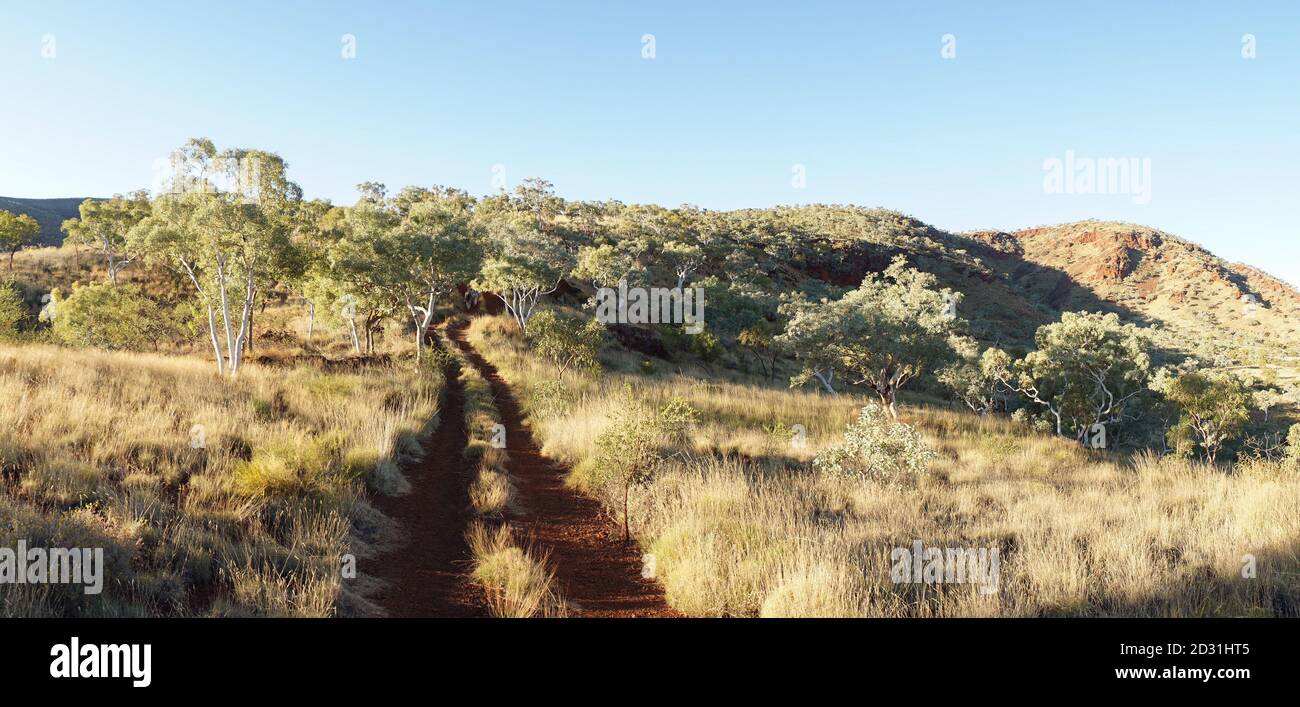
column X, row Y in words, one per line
column 706, row 345
column 108, row 317
column 603, row 265
column 13, row 310
column 1215, row 408
column 639, row 439
column 972, row 378
column 104, row 225
column 230, row 240
column 16, row 233
column 1088, row 369
column 881, row 335
column 1293, row 444
column 877, row 448
column 523, row 263
column 567, row 342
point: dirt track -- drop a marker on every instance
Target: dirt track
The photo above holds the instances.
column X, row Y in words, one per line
column 428, row 576
column 596, row 570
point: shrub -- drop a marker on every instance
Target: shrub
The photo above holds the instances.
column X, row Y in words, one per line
column 108, row 317
column 291, row 465
column 569, row 343
column 637, row 441
column 552, row 399
column 518, row 584
column 877, row 448
column 12, row 310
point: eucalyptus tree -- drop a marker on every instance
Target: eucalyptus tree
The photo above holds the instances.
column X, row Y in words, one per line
column 536, row 196
column 316, row 225
column 104, row 225
column 1215, row 407
column 1088, row 369
column 522, row 265
column 882, row 335
column 435, row 246
column 356, row 277
column 604, row 265
column 224, row 221
column 17, row 232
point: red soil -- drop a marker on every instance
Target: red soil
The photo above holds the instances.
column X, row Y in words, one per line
column 598, row 573
column 429, row 575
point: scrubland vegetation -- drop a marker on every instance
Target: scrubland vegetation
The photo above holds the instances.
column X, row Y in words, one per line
column 741, row 524
column 211, row 497
column 213, row 380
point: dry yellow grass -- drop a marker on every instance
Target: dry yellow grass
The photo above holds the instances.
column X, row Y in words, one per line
column 742, row 526
column 210, row 496
column 517, row 581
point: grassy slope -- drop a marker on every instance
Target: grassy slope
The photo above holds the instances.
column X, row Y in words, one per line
column 741, row 526
column 96, row 451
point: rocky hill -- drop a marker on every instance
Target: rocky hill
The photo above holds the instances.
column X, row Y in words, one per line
column 1204, row 304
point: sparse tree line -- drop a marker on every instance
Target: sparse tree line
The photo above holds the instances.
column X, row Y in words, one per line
column 233, row 228
column 1090, row 377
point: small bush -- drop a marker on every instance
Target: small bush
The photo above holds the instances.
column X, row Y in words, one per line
column 1293, row 444
column 878, row 449
column 13, row 311
column 569, row 343
column 290, row 466
column 108, row 317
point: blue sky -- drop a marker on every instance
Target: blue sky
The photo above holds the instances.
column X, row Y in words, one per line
column 736, row 95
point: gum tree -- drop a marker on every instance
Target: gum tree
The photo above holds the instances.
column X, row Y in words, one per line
column 1215, row 407
column 223, row 223
column 1088, row 370
column 17, row 232
column 881, row 335
column 353, row 282
column 522, row 265
column 435, row 247
column 104, row 225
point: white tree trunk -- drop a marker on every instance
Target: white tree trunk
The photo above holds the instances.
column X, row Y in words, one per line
column 216, row 344
column 356, row 341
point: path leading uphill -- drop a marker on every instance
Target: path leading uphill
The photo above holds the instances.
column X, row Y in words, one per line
column 597, row 572
column 428, row 575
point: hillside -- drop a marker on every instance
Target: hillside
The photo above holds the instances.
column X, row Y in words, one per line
column 1205, row 305
column 50, row 213
column 1014, row 282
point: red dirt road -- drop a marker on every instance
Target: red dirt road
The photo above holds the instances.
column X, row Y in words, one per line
column 428, row 576
column 598, row 573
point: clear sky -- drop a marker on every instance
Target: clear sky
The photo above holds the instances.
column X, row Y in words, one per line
column 736, row 95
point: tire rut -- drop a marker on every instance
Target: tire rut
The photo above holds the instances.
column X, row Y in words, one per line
column 428, row 575
column 598, row 573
